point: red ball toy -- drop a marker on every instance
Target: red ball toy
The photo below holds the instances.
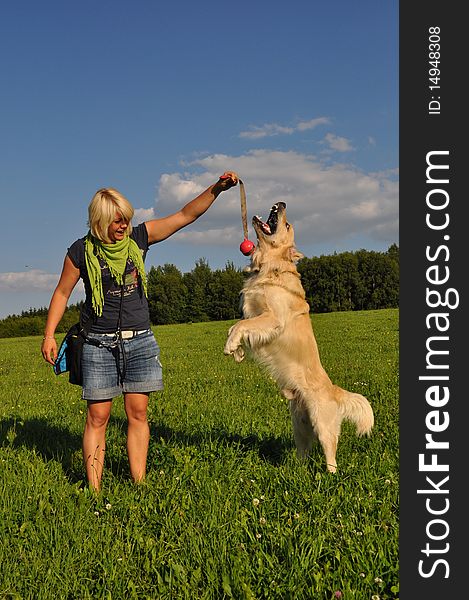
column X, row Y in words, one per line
column 247, row 247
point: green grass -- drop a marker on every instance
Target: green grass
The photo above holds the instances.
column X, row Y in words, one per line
column 226, row 510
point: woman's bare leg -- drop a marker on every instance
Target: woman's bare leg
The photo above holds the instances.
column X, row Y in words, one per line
column 94, row 441
column 138, row 433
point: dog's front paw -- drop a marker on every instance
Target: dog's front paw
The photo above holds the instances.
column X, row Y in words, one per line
column 238, row 354
column 233, row 347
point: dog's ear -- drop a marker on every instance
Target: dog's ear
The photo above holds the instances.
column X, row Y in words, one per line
column 294, row 254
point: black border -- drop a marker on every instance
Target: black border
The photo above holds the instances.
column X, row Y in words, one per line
column 420, row 133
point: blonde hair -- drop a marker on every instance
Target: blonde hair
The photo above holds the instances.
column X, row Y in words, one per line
column 102, row 212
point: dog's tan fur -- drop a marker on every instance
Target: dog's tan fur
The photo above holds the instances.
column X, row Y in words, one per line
column 276, row 328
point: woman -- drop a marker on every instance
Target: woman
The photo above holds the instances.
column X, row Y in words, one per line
column 110, row 262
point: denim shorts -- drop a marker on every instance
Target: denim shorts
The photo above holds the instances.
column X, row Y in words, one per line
column 112, row 367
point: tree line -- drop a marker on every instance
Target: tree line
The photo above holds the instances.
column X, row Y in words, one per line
column 360, row 280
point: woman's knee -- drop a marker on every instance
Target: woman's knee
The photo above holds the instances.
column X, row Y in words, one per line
column 136, row 408
column 137, row 416
column 98, row 415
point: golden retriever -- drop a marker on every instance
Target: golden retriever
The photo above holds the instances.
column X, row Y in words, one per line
column 276, row 328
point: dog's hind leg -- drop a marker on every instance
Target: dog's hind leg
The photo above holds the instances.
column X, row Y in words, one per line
column 327, row 425
column 303, row 432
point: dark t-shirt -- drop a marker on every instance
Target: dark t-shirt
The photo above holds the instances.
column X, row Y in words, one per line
column 135, row 313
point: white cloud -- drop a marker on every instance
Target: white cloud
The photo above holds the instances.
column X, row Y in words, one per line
column 312, row 123
column 229, row 235
column 340, row 144
column 34, row 279
column 24, row 289
column 178, row 190
column 325, row 203
column 270, row 129
column 143, row 214
column 267, row 130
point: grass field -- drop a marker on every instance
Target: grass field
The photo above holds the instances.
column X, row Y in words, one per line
column 226, row 510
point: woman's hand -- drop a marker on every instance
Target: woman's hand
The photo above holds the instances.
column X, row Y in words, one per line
column 68, row 280
column 49, row 350
column 227, row 181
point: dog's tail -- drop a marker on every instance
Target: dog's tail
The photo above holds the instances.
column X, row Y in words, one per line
column 357, row 409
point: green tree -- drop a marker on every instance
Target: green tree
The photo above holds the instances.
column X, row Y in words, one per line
column 348, row 279
column 33, row 321
column 351, row 280
column 224, row 291
column 393, row 253
column 167, row 295
column 380, row 280
column 198, row 283
column 319, row 281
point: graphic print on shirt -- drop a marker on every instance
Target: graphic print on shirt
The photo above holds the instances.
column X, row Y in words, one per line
column 130, row 280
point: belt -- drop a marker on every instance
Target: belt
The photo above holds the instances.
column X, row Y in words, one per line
column 127, row 333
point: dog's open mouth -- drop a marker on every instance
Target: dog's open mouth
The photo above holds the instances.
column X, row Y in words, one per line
column 269, row 227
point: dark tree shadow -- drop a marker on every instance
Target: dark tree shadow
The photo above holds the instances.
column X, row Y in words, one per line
column 271, row 448
column 49, row 441
column 60, row 444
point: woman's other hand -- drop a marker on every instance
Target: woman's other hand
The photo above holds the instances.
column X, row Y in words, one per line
column 49, row 350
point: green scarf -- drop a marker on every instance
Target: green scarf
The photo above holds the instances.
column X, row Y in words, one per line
column 115, row 257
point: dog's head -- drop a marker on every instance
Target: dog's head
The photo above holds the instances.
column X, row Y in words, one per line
column 275, row 237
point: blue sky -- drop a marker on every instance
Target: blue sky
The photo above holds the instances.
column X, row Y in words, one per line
column 159, row 98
